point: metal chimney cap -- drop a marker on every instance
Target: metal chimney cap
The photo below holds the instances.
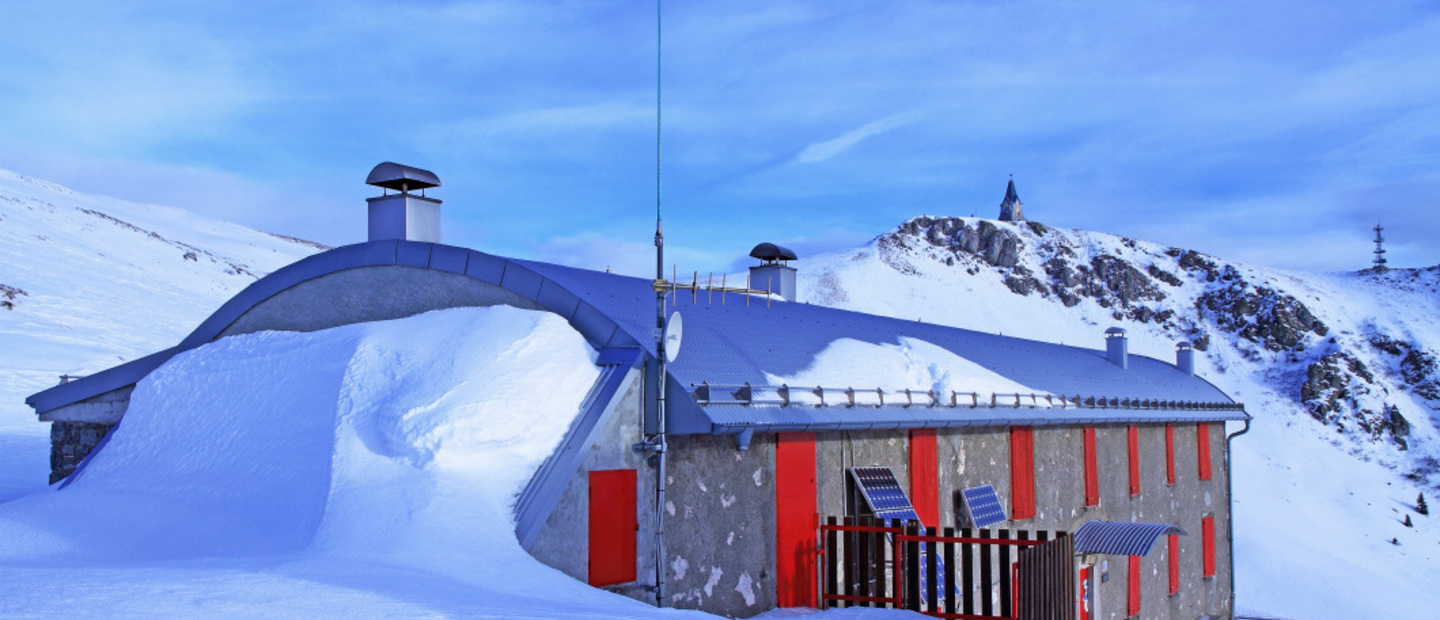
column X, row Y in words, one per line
column 1184, row 345
column 1114, row 332
column 770, row 252
column 399, row 177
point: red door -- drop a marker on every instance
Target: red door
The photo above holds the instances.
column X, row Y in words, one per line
column 795, row 526
column 925, row 476
column 612, row 527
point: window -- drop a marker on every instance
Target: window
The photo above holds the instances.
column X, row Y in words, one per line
column 1092, row 476
column 1133, row 435
column 1132, row 603
column 1202, row 443
column 1022, row 472
column 925, row 476
column 1172, row 549
column 1207, row 544
column 1169, row 453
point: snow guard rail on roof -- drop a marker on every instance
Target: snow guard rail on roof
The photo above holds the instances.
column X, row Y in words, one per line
column 797, row 396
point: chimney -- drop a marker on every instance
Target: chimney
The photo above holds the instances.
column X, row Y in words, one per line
column 1185, row 358
column 403, row 216
column 773, row 273
column 1117, row 347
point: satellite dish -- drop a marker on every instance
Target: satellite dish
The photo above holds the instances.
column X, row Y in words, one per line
column 674, row 328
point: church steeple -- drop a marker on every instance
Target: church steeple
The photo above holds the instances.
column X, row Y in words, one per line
column 1010, row 207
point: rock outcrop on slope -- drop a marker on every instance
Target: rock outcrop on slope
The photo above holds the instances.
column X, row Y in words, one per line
column 1371, row 378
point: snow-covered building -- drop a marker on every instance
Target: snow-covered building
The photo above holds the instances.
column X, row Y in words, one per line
column 770, row 406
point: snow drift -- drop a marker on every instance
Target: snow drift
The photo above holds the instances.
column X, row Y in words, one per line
column 402, row 441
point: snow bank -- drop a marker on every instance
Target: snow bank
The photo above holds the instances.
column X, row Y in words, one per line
column 912, row 364
column 405, row 440
column 367, row 471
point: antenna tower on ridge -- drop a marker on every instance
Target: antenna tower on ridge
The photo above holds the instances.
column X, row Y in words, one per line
column 1379, row 248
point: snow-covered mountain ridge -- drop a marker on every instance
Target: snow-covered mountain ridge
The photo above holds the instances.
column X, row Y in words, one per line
column 1356, row 371
column 87, row 282
column 1338, row 369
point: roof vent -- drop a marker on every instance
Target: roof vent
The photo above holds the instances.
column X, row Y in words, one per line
column 771, row 253
column 1185, row 358
column 1117, row 347
column 773, row 274
column 403, row 216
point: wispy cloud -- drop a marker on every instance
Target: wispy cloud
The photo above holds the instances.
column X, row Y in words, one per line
column 1183, row 121
column 821, row 151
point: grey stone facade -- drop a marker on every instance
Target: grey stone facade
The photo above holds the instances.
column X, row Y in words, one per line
column 70, row 443
column 721, row 508
column 563, row 542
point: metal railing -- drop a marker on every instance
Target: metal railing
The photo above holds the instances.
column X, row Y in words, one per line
column 783, row 395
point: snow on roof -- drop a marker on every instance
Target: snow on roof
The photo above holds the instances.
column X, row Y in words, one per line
column 731, row 342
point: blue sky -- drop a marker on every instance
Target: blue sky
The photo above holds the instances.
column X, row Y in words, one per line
column 1270, row 132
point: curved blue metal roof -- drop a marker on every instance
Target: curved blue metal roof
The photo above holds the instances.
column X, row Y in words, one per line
column 727, row 341
column 1121, row 537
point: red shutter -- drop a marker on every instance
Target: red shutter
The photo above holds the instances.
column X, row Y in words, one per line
column 1022, row 473
column 612, row 527
column 1173, row 556
column 1132, row 603
column 1092, row 476
column 925, row 476
column 795, row 526
column 1169, row 453
column 1133, row 435
column 1202, row 442
column 1207, row 544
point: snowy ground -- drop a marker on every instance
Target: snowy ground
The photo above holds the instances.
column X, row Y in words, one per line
column 366, row 471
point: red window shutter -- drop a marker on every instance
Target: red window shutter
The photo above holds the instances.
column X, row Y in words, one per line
column 612, row 527
column 1169, row 453
column 1173, row 556
column 925, row 476
column 1207, row 543
column 1132, row 603
column 1092, row 476
column 1133, row 436
column 1202, row 442
column 1022, row 473
column 795, row 520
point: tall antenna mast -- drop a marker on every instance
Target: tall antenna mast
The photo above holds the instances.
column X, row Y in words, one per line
column 655, row 443
column 1379, row 248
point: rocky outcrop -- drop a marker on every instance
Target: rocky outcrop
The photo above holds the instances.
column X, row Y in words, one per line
column 1262, row 315
column 8, row 295
column 1196, row 297
column 1340, row 391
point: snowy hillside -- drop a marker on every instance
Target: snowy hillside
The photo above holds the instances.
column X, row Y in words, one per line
column 1339, row 371
column 87, row 282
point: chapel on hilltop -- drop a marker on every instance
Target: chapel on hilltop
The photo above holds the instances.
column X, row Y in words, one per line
column 1010, row 207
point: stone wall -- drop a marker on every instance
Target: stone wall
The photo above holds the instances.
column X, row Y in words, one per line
column 70, row 443
column 563, row 542
column 720, row 525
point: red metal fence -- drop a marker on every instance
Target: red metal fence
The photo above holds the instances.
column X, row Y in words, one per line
column 954, row 574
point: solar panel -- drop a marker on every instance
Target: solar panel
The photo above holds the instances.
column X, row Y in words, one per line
column 888, row 501
column 883, row 493
column 983, row 506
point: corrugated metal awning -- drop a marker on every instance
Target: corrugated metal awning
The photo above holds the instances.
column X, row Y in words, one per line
column 1120, row 537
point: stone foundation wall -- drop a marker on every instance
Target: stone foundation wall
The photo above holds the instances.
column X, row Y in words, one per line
column 70, row 443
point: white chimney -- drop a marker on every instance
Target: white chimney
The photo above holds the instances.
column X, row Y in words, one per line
column 1185, row 358
column 1117, row 347
column 403, row 216
column 773, row 274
